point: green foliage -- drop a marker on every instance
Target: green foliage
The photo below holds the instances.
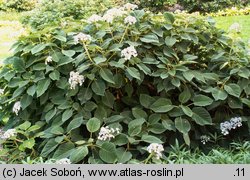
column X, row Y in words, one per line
column 234, row 11
column 211, row 5
column 57, row 12
column 155, row 5
column 183, row 78
column 237, row 153
column 18, row 5
column 22, row 144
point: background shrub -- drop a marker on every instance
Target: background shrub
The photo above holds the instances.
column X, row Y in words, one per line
column 53, row 12
column 18, row 5
column 202, row 6
column 211, row 5
column 183, row 79
column 156, row 5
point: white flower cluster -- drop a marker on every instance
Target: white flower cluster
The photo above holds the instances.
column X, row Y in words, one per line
column 75, row 79
column 1, row 92
column 48, row 60
column 236, row 122
column 204, row 139
column 130, row 20
column 232, row 124
column 81, row 37
column 156, row 149
column 112, row 13
column 8, row 134
column 107, row 133
column 128, row 52
column 235, row 27
column 16, row 107
column 63, row 161
column 130, row 6
column 94, row 18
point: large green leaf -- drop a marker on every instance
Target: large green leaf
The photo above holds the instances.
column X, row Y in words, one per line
column 201, row 100
column 185, row 95
column 55, row 75
column 187, row 110
column 93, row 124
column 201, row 116
column 169, row 17
column 113, row 119
column 107, row 75
column 68, row 53
column 139, row 113
column 108, row 152
column 135, row 126
column 170, row 41
column 38, row 48
column 49, row 147
column 123, row 155
column 64, row 150
column 75, row 123
column 150, row 38
column 108, row 99
column 78, row 154
column 30, row 143
column 26, row 100
column 162, row 105
column 219, row 94
column 156, row 128
column 49, row 115
column 18, row 65
column 99, row 60
column 98, row 87
column 84, row 95
column 188, row 75
column 146, row 100
column 133, row 72
column 24, row 126
column 18, row 92
column 233, row 89
column 151, row 139
column 67, row 114
column 42, row 86
column 31, row 90
column 182, row 125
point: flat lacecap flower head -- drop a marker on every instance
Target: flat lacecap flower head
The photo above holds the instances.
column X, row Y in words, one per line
column 229, row 125
column 63, row 161
column 1, row 92
column 111, row 14
column 204, row 139
column 75, row 79
column 81, row 37
column 17, row 107
column 155, row 149
column 94, row 18
column 130, row 6
column 8, row 134
column 48, row 60
column 107, row 133
column 129, row 52
column 130, row 20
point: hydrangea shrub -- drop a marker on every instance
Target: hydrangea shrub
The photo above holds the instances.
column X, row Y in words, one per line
column 125, row 86
column 59, row 12
column 18, row 5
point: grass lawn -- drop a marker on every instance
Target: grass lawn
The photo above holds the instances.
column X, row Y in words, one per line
column 244, row 21
column 10, row 29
